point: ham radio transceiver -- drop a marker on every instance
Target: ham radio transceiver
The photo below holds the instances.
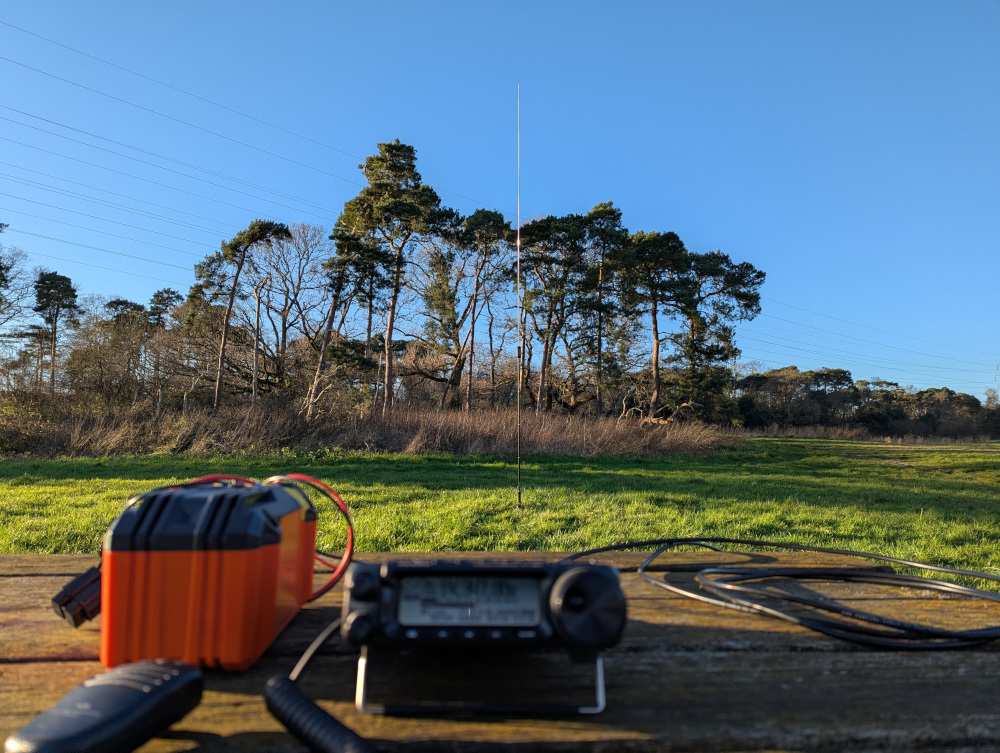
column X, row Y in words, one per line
column 481, row 607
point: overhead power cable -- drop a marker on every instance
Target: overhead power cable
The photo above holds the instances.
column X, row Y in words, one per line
column 870, row 342
column 136, row 177
column 883, row 331
column 102, row 219
column 860, row 361
column 107, row 269
column 95, row 248
column 124, row 196
column 183, row 91
column 184, row 122
column 771, row 330
column 164, row 157
column 102, row 232
column 778, row 365
column 228, row 109
column 170, row 170
column 843, row 354
column 108, row 204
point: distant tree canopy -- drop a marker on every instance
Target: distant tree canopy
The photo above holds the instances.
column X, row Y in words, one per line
column 405, row 302
column 829, row 397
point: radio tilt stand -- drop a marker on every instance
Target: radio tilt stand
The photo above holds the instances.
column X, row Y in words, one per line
column 361, row 702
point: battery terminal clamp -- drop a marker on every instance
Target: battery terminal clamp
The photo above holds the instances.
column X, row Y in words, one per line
column 80, row 599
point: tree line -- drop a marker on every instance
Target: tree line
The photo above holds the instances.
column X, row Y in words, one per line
column 789, row 397
column 406, row 302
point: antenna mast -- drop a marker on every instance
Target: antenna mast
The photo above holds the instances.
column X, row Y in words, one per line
column 520, row 307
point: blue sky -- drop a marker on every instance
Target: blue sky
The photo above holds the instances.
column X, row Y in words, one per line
column 848, row 149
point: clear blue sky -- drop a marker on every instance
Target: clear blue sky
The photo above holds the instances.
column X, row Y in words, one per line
column 849, row 149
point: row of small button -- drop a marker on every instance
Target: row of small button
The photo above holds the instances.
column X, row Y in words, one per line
column 471, row 634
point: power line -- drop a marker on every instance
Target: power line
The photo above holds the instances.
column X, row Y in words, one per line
column 99, row 202
column 224, row 107
column 167, row 169
column 860, row 360
column 182, row 91
column 135, row 177
column 108, row 269
column 94, row 230
column 94, row 248
column 102, row 219
column 785, row 364
column 876, row 329
column 154, row 154
column 103, row 203
column 159, row 156
column 183, row 122
column 868, row 355
column 870, row 342
column 123, row 196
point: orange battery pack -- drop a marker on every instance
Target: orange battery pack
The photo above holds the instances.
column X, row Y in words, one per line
column 205, row 574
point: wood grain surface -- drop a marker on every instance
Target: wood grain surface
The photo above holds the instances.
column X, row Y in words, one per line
column 686, row 677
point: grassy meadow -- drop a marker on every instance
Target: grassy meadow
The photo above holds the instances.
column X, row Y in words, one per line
column 931, row 503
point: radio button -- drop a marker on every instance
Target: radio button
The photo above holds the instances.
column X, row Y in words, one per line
column 358, row 627
column 412, row 633
column 443, row 634
column 526, row 634
column 365, row 586
column 470, row 634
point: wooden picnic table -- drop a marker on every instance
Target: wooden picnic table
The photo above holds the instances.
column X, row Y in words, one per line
column 687, row 676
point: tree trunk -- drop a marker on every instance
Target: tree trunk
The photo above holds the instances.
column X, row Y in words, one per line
column 39, row 365
column 368, row 328
column 493, row 358
column 542, row 371
column 256, row 343
column 472, row 346
column 388, row 396
column 472, row 343
column 598, row 395
column 217, row 400
column 654, row 400
column 692, row 357
column 313, row 395
column 52, row 357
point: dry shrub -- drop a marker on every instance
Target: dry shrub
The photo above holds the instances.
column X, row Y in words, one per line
column 921, row 439
column 812, row 432
column 860, row 434
column 276, row 425
column 495, row 433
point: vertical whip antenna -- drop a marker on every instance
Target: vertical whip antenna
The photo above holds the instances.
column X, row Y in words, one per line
column 520, row 306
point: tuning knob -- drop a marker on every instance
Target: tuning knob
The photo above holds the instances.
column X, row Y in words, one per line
column 364, row 585
column 357, row 627
column 588, row 607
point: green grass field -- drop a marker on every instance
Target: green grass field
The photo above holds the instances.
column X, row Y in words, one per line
column 935, row 504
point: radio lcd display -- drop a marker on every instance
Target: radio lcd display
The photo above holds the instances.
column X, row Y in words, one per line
column 466, row 600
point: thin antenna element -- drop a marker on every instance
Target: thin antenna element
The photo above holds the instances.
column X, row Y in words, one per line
column 520, row 307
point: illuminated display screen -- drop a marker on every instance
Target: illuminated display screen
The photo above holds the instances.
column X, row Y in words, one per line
column 468, row 601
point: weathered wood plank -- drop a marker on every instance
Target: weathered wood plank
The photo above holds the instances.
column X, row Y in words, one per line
column 680, row 701
column 687, row 676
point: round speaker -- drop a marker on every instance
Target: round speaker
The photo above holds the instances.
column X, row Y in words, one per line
column 588, row 607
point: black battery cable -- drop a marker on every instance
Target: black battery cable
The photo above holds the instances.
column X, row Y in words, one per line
column 733, row 587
